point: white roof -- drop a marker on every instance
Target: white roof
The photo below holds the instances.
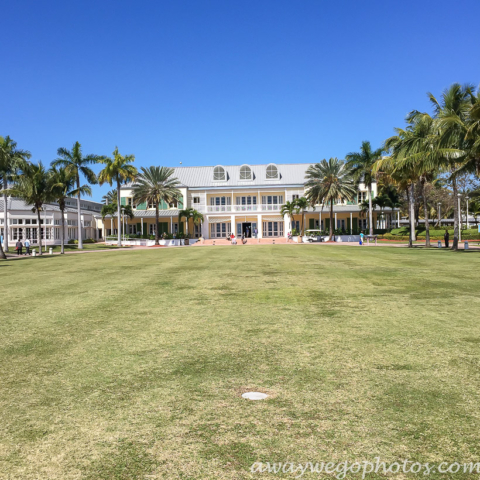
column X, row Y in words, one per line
column 200, row 177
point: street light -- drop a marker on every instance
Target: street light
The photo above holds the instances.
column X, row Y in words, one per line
column 467, row 198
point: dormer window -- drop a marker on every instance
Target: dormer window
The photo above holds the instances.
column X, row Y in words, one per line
column 272, row 172
column 245, row 172
column 219, row 174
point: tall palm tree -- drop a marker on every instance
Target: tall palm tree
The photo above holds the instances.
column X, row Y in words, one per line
column 33, row 186
column 289, row 208
column 63, row 186
column 301, row 204
column 327, row 182
column 362, row 164
column 117, row 169
column 77, row 164
column 457, row 119
column 110, row 197
column 153, row 185
column 10, row 158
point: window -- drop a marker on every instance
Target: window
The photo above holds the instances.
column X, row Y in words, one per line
column 220, row 204
column 129, row 201
column 247, row 203
column 57, row 222
column 272, row 202
column 245, row 172
column 220, row 230
column 272, row 172
column 87, row 224
column 362, row 196
column 273, row 229
column 219, row 174
column 196, row 200
column 173, row 204
column 295, row 197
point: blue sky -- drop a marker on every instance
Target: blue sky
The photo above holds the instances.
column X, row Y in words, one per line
column 225, row 82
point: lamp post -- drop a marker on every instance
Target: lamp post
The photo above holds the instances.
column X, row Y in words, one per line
column 439, row 206
column 459, row 218
column 467, row 198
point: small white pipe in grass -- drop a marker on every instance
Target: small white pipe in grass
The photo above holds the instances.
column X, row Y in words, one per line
column 255, row 396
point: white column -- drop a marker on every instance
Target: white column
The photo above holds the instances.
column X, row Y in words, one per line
column 286, row 224
column 260, row 226
column 320, row 220
column 398, row 219
column 205, row 227
column 171, row 224
column 141, row 227
column 233, row 227
column 335, row 226
column 351, row 223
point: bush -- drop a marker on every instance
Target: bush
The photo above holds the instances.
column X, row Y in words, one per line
column 87, row 240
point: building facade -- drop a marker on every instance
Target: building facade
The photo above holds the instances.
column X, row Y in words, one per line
column 244, row 199
column 23, row 222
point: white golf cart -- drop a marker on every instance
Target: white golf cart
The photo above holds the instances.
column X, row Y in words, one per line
column 313, row 236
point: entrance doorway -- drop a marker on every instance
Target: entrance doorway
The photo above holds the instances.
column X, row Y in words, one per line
column 247, row 229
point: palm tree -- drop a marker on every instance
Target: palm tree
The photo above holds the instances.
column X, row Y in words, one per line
column 362, row 164
column 289, row 209
column 382, row 200
column 153, row 185
column 110, row 197
column 327, row 182
column 118, row 170
column 10, row 158
column 63, row 186
column 77, row 164
column 33, row 186
column 190, row 213
column 301, row 204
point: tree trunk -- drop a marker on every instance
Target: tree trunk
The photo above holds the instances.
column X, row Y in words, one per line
column 411, row 214
column 5, row 223
column 40, row 232
column 425, row 216
column 156, row 225
column 2, row 253
column 330, row 233
column 455, row 214
column 79, row 216
column 62, row 232
column 119, row 230
column 370, row 213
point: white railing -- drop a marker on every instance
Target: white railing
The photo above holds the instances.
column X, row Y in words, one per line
column 239, row 208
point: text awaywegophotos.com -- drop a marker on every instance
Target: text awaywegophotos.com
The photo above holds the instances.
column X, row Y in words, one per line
column 341, row 469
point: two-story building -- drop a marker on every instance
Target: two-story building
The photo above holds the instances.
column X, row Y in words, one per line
column 244, row 199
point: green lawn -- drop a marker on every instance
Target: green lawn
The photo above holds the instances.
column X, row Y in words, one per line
column 131, row 365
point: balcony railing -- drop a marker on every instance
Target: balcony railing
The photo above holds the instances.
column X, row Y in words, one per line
column 239, row 208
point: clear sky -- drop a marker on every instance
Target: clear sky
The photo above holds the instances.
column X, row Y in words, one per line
column 207, row 82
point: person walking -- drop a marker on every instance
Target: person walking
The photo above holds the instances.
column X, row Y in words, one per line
column 19, row 247
column 446, row 237
column 27, row 247
column 361, row 238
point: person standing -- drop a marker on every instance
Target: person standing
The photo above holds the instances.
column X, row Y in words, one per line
column 446, row 237
column 255, row 232
column 27, row 247
column 361, row 238
column 19, row 247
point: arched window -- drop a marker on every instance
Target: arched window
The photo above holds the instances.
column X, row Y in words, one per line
column 272, row 172
column 245, row 172
column 219, row 174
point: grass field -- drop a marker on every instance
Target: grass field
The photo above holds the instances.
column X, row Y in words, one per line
column 131, row 364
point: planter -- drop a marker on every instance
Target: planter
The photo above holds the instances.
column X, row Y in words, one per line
column 187, row 241
column 297, row 239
